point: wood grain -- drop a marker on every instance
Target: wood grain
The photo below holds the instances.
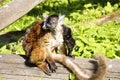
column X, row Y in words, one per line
column 12, row 67
column 14, row 10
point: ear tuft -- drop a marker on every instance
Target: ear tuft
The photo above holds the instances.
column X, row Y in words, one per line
column 61, row 19
column 45, row 16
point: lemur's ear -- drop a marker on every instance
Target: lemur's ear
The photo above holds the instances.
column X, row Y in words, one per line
column 61, row 19
column 45, row 16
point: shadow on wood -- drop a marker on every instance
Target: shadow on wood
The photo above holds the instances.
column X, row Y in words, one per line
column 10, row 37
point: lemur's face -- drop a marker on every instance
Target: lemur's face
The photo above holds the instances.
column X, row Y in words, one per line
column 51, row 22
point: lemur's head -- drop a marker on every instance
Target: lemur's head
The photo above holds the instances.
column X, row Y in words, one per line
column 53, row 21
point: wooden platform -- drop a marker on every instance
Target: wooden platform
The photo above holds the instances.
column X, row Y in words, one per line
column 12, row 67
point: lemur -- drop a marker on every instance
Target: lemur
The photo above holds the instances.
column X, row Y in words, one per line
column 64, row 33
column 41, row 41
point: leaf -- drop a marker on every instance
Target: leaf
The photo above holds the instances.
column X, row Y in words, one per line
column 1, row 78
column 108, row 8
column 76, row 53
column 86, row 54
column 88, row 5
column 99, row 49
column 81, row 47
column 72, row 76
column 110, row 54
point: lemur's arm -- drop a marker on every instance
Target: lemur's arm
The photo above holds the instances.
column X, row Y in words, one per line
column 68, row 39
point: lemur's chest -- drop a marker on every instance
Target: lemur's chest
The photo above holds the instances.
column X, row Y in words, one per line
column 57, row 39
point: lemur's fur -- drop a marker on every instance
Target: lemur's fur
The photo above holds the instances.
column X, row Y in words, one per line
column 68, row 39
column 99, row 66
column 38, row 49
column 63, row 33
column 41, row 41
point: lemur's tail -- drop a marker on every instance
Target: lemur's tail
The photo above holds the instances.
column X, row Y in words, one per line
column 101, row 68
column 82, row 73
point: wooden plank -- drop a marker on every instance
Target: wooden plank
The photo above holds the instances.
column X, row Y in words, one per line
column 114, row 16
column 14, row 10
column 113, row 72
column 12, row 67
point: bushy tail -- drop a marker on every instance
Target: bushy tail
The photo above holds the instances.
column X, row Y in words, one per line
column 101, row 68
column 82, row 73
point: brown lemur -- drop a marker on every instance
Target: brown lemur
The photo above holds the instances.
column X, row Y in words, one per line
column 41, row 41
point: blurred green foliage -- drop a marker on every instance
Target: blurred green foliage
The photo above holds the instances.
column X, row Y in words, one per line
column 0, row 78
column 3, row 2
column 90, row 39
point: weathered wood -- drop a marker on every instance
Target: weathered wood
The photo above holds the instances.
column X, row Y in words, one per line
column 114, row 16
column 14, row 10
column 1, row 1
column 12, row 67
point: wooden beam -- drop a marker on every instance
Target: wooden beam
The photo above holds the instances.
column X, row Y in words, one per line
column 114, row 16
column 12, row 67
column 14, row 10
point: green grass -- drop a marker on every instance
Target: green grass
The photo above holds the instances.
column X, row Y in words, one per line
column 1, row 78
column 90, row 39
column 103, row 39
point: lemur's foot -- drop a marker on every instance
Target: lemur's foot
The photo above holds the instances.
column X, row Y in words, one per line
column 53, row 67
column 45, row 68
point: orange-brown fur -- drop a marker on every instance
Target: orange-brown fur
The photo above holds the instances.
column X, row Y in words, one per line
column 32, row 35
column 35, row 44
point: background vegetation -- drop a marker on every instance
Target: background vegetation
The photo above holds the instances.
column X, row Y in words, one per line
column 79, row 16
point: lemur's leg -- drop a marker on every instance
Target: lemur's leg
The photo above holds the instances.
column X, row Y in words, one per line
column 44, row 67
column 50, row 59
column 70, row 45
column 38, row 57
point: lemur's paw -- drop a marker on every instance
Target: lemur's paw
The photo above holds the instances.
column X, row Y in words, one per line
column 48, row 72
column 53, row 67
